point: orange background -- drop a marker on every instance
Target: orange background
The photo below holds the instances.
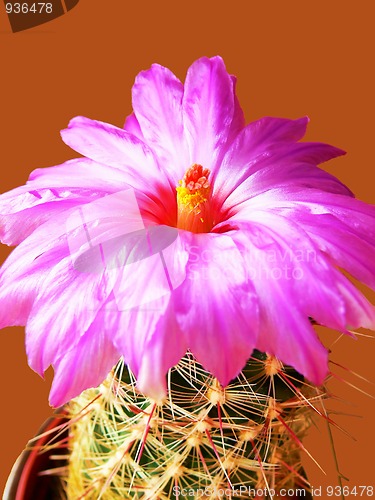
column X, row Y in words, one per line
column 292, row 58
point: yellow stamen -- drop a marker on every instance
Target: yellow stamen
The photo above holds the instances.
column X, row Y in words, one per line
column 193, row 195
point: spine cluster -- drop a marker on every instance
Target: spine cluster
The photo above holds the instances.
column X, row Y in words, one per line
column 204, row 441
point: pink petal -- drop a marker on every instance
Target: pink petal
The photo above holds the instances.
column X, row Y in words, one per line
column 289, row 199
column 208, row 111
column 238, row 122
column 21, row 278
column 359, row 311
column 278, row 166
column 253, row 142
column 151, row 343
column 157, row 96
column 116, row 148
column 22, row 275
column 349, row 246
column 80, row 173
column 62, row 312
column 24, row 209
column 132, row 126
column 84, row 365
column 216, row 305
column 161, row 267
column 285, row 330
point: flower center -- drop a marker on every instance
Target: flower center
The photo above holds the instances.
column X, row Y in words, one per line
column 193, row 195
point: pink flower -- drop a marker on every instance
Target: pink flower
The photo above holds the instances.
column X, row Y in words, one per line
column 249, row 237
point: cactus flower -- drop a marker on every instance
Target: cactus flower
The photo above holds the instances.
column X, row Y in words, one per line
column 185, row 230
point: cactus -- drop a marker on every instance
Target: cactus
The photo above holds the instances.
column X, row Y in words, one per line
column 203, row 441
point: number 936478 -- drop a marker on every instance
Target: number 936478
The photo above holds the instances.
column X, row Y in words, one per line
column 25, row 8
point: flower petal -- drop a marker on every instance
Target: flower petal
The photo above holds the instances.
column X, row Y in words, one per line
column 279, row 165
column 24, row 209
column 22, row 274
column 83, row 366
column 216, row 305
column 208, row 111
column 132, row 126
column 285, row 330
column 116, row 148
column 290, row 199
column 349, row 246
column 80, row 173
column 253, row 141
column 62, row 312
column 238, row 122
column 151, row 343
column 157, row 97
column 21, row 278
